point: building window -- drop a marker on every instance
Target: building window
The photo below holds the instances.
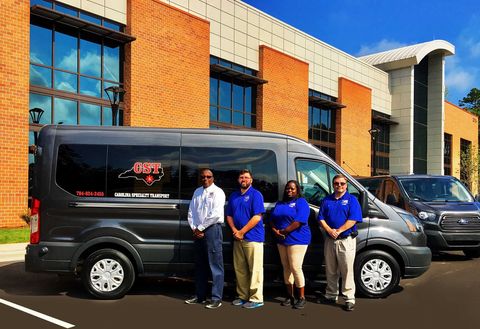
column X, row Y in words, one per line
column 447, row 154
column 232, row 100
column 69, row 69
column 381, row 122
column 321, row 125
column 467, row 164
column 420, row 123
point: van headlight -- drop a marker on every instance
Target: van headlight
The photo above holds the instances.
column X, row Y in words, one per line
column 412, row 222
column 427, row 216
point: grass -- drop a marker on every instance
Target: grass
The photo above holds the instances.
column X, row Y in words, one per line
column 14, row 235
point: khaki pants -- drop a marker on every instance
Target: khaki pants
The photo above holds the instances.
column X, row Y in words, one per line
column 292, row 261
column 339, row 259
column 248, row 263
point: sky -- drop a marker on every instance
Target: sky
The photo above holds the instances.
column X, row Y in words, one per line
column 362, row 27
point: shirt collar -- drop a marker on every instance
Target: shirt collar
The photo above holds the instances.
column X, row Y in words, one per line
column 210, row 188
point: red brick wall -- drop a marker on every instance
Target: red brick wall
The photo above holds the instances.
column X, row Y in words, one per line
column 282, row 103
column 167, row 68
column 353, row 123
column 14, row 86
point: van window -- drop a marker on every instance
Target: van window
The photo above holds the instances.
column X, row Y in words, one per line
column 118, row 171
column 225, row 164
column 315, row 179
column 143, row 171
column 81, row 169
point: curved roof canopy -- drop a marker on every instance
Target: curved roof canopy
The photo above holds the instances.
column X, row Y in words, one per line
column 408, row 56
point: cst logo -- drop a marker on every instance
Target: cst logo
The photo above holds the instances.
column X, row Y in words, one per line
column 148, row 172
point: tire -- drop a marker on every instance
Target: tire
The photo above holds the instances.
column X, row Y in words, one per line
column 108, row 274
column 472, row 253
column 371, row 267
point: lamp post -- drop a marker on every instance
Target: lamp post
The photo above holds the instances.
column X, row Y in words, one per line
column 115, row 94
column 36, row 114
column 374, row 133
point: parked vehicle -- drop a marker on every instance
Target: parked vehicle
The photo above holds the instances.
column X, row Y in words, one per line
column 447, row 209
column 110, row 204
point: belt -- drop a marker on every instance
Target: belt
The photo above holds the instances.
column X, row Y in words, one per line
column 352, row 235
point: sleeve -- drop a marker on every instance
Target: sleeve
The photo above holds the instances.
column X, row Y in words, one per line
column 355, row 211
column 216, row 213
column 303, row 211
column 257, row 204
column 230, row 206
column 190, row 212
column 322, row 212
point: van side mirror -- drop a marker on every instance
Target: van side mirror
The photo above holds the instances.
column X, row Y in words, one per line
column 364, row 203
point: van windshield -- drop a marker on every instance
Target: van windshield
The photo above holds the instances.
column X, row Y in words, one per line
column 435, row 189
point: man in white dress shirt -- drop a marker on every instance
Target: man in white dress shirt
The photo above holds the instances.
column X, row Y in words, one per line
column 205, row 216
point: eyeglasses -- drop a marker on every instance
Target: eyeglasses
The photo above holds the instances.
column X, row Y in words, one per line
column 339, row 183
column 208, row 177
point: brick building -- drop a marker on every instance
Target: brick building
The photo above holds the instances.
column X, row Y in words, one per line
column 218, row 64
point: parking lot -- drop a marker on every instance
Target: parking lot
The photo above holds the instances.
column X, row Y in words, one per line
column 447, row 296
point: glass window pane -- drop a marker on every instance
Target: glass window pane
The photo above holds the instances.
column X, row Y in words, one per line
column 112, row 25
column 237, row 118
column 65, row 81
column 213, row 91
column 111, row 63
column 66, row 10
column 66, row 52
column 316, row 118
column 237, row 97
column 248, row 121
column 225, row 63
column 107, row 117
column 225, row 94
column 40, row 76
column 313, row 179
column 248, row 100
column 41, row 3
column 40, row 45
column 90, row 114
column 43, row 102
column 65, row 112
column 90, row 58
column 238, row 68
column 225, row 116
column 105, row 86
column 90, row 87
column 91, row 18
column 213, row 113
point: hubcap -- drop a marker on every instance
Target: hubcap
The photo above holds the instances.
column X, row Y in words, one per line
column 106, row 275
column 376, row 274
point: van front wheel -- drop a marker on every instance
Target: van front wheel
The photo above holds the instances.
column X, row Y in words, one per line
column 377, row 273
column 108, row 274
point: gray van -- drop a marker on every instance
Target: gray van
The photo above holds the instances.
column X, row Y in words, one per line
column 447, row 209
column 110, row 204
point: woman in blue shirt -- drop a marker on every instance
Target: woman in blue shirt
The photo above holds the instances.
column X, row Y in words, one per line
column 289, row 222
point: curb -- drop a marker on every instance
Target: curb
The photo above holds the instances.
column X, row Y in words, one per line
column 12, row 252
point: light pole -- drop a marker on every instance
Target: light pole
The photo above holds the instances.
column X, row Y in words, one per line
column 374, row 133
column 115, row 94
column 36, row 114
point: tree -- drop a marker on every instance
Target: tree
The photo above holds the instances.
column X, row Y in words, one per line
column 472, row 101
column 470, row 169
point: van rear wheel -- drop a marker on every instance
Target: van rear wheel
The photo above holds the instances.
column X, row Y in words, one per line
column 377, row 273
column 108, row 274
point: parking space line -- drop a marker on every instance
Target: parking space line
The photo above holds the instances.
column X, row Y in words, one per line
column 38, row 314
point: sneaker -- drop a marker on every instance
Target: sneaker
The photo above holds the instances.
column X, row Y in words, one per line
column 349, row 306
column 251, row 305
column 300, row 304
column 326, row 301
column 194, row 300
column 239, row 302
column 214, row 304
column 289, row 301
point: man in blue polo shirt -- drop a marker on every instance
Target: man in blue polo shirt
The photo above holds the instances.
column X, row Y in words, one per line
column 338, row 216
column 244, row 216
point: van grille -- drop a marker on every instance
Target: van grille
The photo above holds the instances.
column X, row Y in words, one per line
column 460, row 223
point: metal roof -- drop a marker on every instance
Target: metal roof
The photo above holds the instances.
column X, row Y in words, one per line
column 408, row 56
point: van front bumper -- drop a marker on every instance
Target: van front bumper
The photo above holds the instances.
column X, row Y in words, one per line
column 49, row 257
column 419, row 260
column 441, row 240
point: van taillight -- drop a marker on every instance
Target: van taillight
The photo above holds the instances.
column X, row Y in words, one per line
column 35, row 222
